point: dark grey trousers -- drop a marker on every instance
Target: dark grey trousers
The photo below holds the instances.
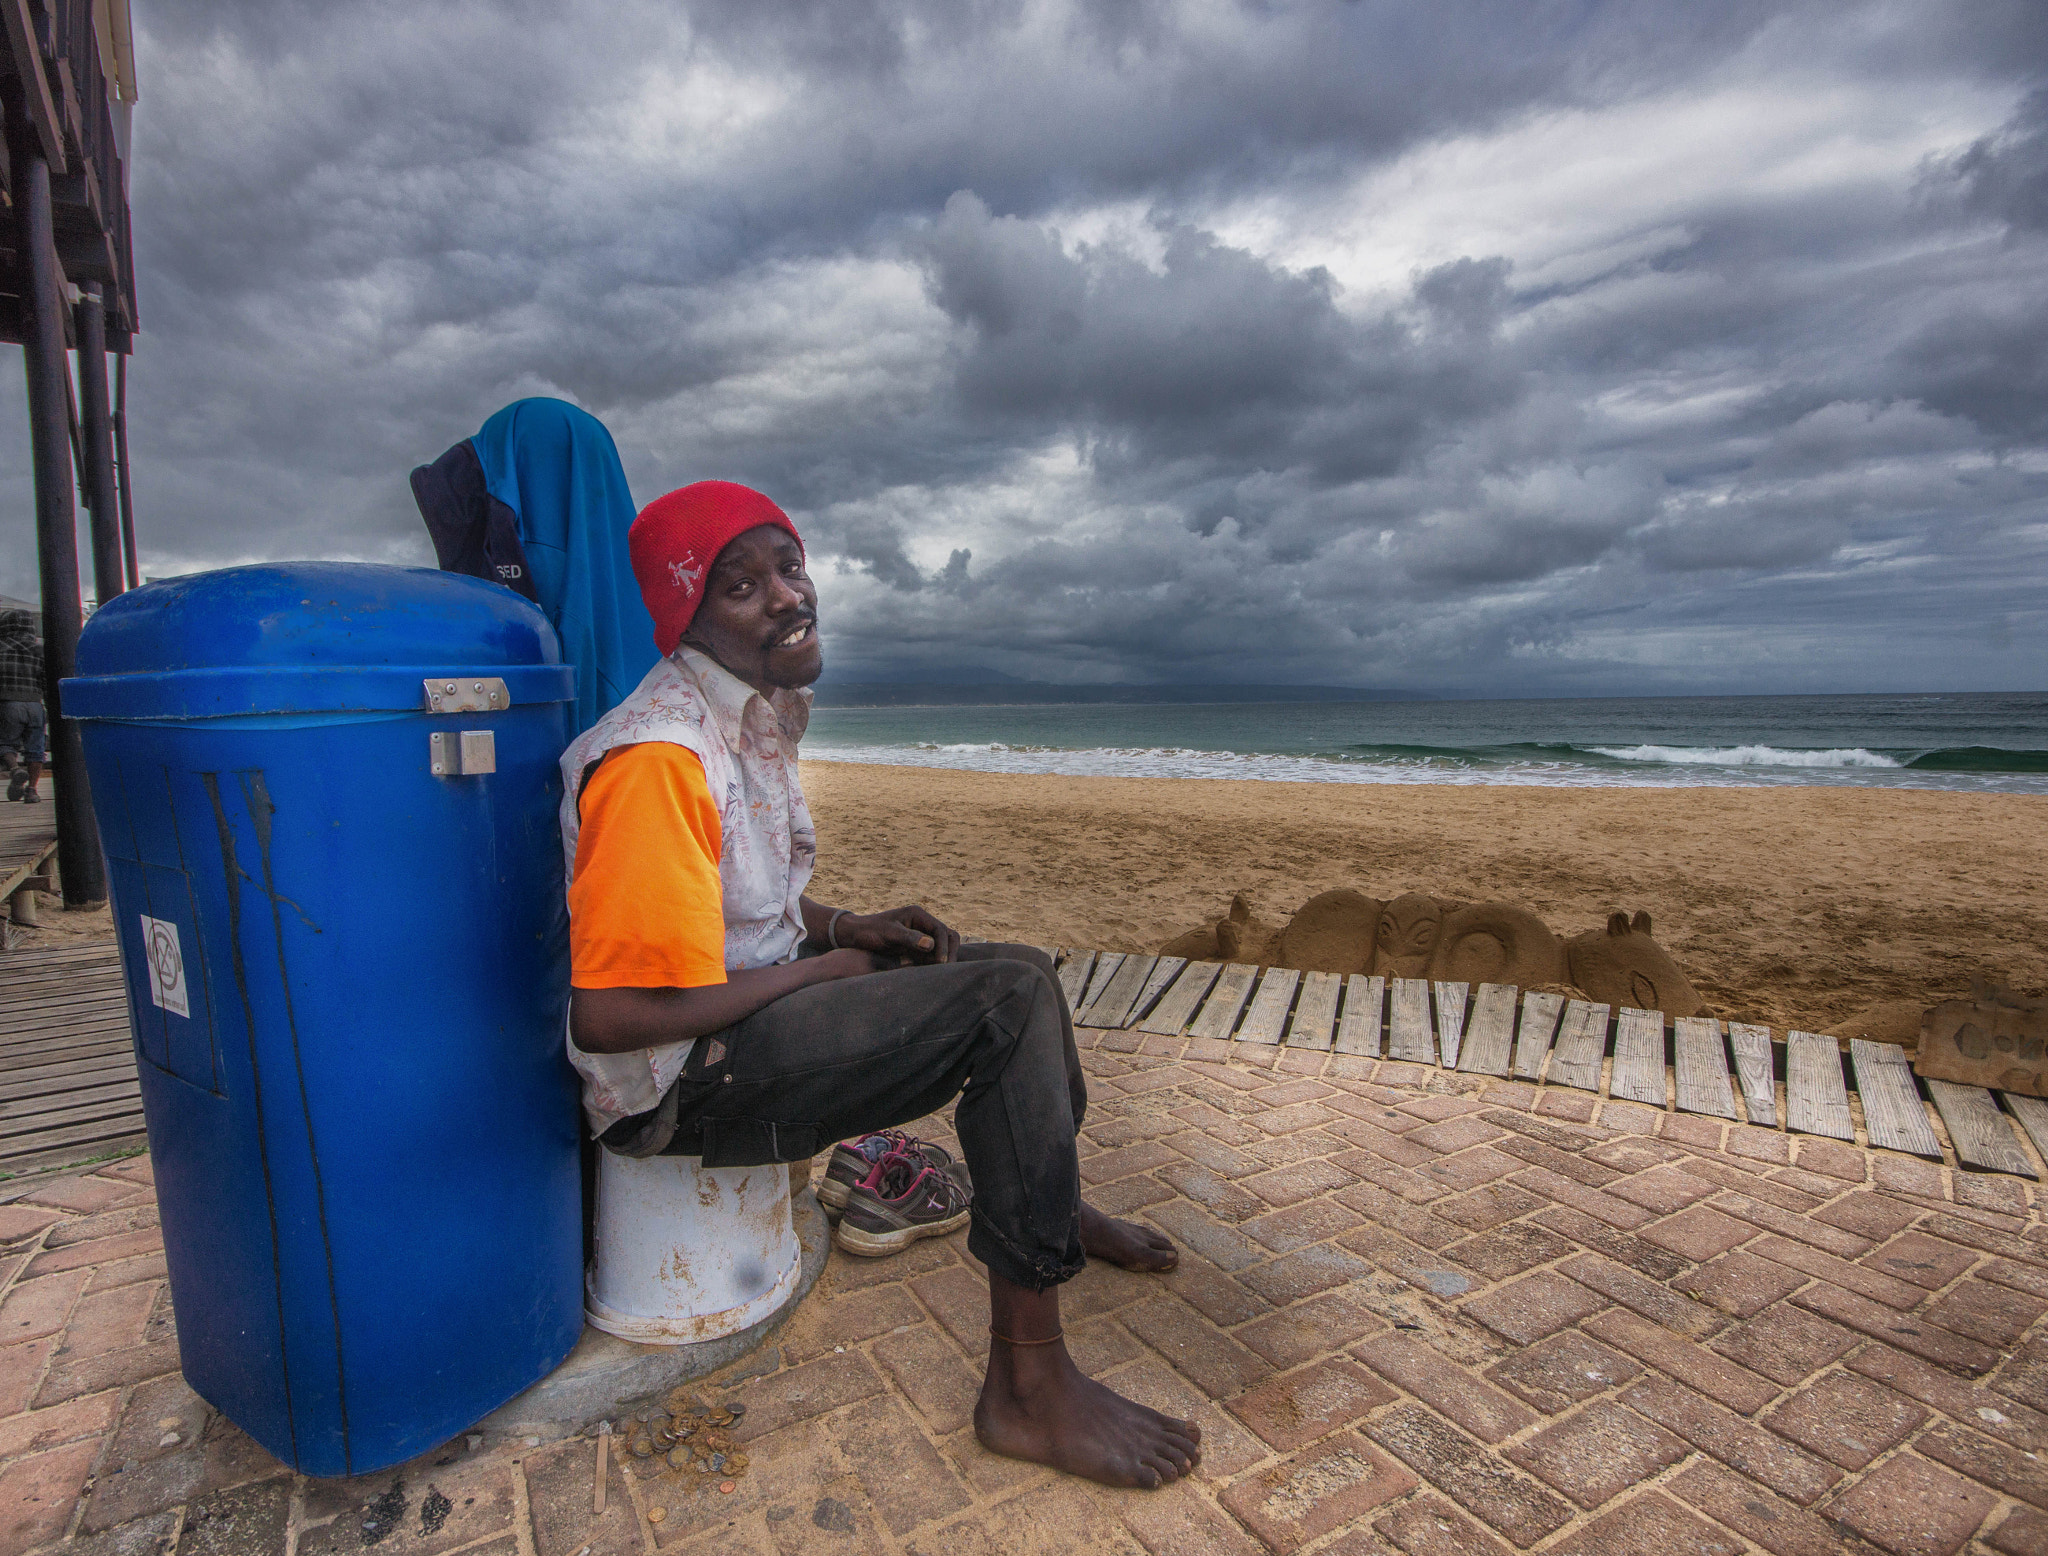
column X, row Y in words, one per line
column 837, row 1060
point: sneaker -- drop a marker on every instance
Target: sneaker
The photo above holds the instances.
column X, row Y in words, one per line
column 910, row 1199
column 854, row 1162
column 17, row 781
column 30, row 797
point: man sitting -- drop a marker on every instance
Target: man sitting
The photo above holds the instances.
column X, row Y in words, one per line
column 719, row 1012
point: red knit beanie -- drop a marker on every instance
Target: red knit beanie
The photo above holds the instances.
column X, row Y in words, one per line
column 675, row 540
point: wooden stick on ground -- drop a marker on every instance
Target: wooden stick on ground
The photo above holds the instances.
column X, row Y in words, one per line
column 604, row 1445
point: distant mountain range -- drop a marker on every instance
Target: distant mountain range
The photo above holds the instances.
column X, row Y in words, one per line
column 1011, row 693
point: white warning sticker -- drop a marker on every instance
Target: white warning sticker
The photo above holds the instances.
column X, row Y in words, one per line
column 166, row 954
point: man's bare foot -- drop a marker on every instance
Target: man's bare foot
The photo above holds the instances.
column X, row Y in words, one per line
column 1036, row 1405
column 1126, row 1243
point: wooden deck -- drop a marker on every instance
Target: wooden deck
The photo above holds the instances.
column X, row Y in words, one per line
column 28, row 836
column 68, row 1091
column 1791, row 1080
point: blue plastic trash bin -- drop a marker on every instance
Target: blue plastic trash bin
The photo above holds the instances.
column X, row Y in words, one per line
column 327, row 795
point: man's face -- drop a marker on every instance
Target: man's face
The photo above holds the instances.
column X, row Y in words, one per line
column 759, row 614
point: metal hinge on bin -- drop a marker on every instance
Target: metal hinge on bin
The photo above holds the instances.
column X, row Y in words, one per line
column 462, row 753
column 451, row 694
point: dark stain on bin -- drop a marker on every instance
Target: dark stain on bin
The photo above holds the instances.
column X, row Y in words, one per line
column 256, row 796
column 233, row 874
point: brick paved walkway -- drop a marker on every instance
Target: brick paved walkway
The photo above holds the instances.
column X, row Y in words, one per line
column 1416, row 1313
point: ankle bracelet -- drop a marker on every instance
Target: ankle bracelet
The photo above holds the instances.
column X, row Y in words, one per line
column 1048, row 1340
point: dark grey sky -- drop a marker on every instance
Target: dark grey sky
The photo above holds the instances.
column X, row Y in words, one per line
column 1552, row 347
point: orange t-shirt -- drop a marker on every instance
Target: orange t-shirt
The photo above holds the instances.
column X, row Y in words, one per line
column 645, row 905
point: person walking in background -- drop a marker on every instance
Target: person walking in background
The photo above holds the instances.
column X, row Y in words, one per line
column 23, row 742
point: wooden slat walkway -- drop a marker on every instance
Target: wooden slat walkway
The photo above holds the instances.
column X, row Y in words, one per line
column 1581, row 1045
column 1540, row 1014
column 28, row 836
column 1267, row 1017
column 68, row 1090
column 1538, row 1036
column 1893, row 1113
column 1816, row 1101
column 1702, row 1068
column 1982, row 1134
column 1358, row 1029
column 1408, row 1034
column 1315, row 1012
column 1176, row 1007
column 1753, row 1066
column 1450, row 1020
column 1490, row 1030
column 1638, row 1057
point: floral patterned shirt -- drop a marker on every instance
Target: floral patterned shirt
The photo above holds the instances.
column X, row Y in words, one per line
column 748, row 745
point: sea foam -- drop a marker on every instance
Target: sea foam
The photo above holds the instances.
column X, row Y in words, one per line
column 1748, row 756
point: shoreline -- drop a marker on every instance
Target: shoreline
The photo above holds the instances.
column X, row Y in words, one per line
column 1793, row 905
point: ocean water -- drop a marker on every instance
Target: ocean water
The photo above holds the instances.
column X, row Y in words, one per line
column 1977, row 742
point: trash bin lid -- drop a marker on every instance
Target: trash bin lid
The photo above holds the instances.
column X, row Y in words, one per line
column 308, row 637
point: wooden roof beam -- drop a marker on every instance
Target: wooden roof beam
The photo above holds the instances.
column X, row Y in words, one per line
column 35, row 83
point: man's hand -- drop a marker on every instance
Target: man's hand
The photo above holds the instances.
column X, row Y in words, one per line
column 910, row 933
column 615, row 1021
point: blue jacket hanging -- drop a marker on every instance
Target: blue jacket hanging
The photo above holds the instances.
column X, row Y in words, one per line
column 538, row 501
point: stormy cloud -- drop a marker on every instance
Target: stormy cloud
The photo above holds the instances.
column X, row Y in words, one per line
column 1563, row 347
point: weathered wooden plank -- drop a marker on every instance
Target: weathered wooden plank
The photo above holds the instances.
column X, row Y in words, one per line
column 1816, row 1100
column 69, row 1045
column 1981, row 1134
column 1408, row 1034
column 1450, row 1020
column 1893, row 1114
column 70, row 1142
column 1581, row 1044
column 117, row 1094
column 1638, row 1056
column 2032, row 1113
column 1490, row 1031
column 1267, row 1018
column 1106, row 965
column 1758, row 1075
column 1178, row 1003
column 1365, row 1002
column 1074, row 971
column 1219, row 1011
column 1164, row 970
column 116, row 1107
column 1701, row 1068
column 1532, row 1037
column 1316, row 1011
column 1118, row 993
column 49, row 1080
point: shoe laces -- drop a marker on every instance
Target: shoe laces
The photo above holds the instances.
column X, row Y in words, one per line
column 902, row 1175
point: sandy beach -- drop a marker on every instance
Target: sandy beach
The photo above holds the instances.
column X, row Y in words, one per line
column 1795, row 906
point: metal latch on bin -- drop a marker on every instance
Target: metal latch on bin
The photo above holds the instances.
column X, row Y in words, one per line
column 462, row 753
column 451, row 694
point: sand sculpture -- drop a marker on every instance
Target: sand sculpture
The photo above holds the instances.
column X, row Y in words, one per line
column 1418, row 936
column 1622, row 965
column 1995, row 1038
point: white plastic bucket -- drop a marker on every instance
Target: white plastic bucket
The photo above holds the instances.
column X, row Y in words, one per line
column 687, row 1252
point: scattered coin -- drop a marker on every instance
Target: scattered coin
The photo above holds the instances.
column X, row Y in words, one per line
column 725, row 1485
column 678, row 1458
column 737, row 1409
column 656, row 1514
